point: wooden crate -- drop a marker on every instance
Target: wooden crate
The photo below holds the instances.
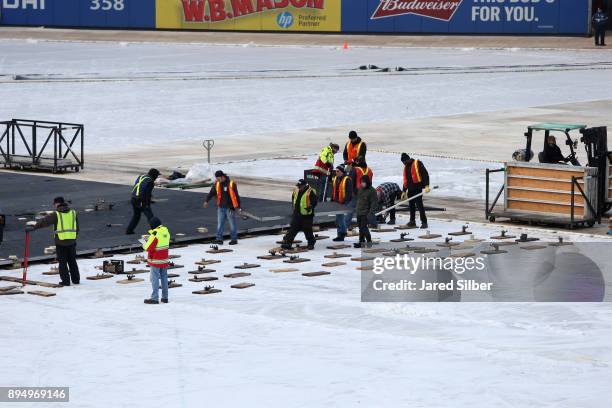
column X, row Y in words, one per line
column 535, row 188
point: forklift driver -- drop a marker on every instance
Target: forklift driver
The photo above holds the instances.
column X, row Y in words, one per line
column 552, row 153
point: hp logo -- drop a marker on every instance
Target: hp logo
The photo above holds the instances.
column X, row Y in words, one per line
column 284, row 19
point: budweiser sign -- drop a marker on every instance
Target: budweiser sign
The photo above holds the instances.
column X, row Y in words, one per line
column 438, row 9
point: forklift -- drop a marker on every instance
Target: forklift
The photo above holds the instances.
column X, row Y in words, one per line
column 595, row 142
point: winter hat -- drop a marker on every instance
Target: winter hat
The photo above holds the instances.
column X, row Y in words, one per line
column 334, row 146
column 154, row 173
column 353, row 135
column 301, row 183
column 155, row 222
column 59, row 200
column 405, row 157
column 341, row 168
column 219, row 173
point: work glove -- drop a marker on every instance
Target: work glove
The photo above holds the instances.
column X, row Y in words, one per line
column 404, row 196
column 427, row 190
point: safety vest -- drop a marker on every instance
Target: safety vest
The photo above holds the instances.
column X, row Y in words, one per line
column 136, row 188
column 230, row 190
column 66, row 225
column 339, row 194
column 160, row 255
column 360, row 172
column 353, row 151
column 415, row 174
column 305, row 208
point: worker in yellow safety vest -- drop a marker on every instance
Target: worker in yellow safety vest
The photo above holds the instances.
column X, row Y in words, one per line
column 66, row 229
column 304, row 199
column 142, row 197
column 157, row 247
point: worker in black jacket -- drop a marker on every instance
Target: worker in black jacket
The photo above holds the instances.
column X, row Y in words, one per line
column 600, row 23
column 66, row 228
column 416, row 179
column 387, row 194
column 552, row 152
column 142, row 192
column 304, row 201
column 228, row 202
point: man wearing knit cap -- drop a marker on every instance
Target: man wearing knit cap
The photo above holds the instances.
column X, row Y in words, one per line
column 354, row 148
column 228, row 202
column 416, row 179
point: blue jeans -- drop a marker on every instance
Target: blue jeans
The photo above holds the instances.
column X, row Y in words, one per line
column 156, row 275
column 343, row 220
column 348, row 218
column 222, row 215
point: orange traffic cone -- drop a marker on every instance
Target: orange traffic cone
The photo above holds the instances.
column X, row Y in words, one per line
column 345, row 45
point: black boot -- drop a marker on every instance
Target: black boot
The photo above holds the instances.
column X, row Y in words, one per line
column 164, row 300
column 311, row 245
column 411, row 224
column 233, row 242
column 151, row 301
column 339, row 238
column 391, row 222
column 286, row 246
column 424, row 225
column 357, row 245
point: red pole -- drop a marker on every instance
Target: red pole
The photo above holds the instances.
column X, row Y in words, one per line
column 25, row 258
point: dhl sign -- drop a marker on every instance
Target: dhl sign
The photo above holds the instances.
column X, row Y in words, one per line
column 273, row 15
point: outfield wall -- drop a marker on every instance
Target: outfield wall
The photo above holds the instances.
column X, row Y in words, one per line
column 351, row 16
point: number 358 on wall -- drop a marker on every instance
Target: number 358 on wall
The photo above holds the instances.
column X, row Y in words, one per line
column 106, row 5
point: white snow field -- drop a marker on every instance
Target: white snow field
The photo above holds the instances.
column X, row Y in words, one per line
column 133, row 94
column 293, row 341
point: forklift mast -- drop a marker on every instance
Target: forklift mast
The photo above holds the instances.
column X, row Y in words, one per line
column 595, row 141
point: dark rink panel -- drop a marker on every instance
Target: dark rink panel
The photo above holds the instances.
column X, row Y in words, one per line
column 22, row 195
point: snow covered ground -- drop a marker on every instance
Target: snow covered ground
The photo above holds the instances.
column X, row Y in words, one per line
column 455, row 178
column 129, row 94
column 293, row 341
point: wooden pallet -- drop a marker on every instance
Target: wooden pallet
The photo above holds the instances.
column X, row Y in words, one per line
column 133, row 280
column 219, row 251
column 41, row 293
column 205, row 262
column 296, row 260
column 203, row 279
column 203, row 270
column 174, row 285
column 425, row 251
column 374, row 250
column 313, row 274
column 173, row 266
column 401, row 239
column 333, row 264
column 7, row 288
column 284, row 270
column 405, row 227
column 247, row 266
column 51, row 272
column 448, row 244
column 365, row 268
column 338, row 246
column 11, row 292
column 462, row 255
column 321, row 237
column 237, row 275
column 30, row 282
column 336, row 255
column 242, row 285
column 100, row 276
column 206, row 292
column 173, row 275
column 135, row 271
column 297, row 241
column 533, row 247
